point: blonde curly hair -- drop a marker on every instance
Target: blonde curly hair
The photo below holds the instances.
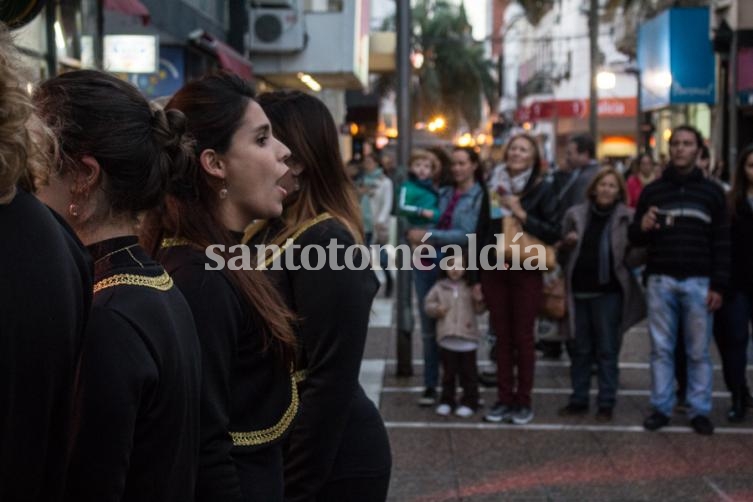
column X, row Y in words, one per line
column 27, row 147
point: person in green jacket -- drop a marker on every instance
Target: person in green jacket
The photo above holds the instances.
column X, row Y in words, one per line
column 419, row 200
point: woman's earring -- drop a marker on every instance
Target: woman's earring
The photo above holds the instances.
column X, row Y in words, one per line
column 223, row 192
column 73, row 209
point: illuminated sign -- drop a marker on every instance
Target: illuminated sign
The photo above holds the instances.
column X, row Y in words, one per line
column 131, row 53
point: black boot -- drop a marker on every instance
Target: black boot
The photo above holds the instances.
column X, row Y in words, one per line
column 736, row 413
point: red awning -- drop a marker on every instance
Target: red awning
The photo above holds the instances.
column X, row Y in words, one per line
column 130, row 7
column 229, row 58
column 232, row 60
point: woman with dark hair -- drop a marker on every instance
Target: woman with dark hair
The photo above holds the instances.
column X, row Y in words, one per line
column 517, row 189
column 249, row 399
column 338, row 448
column 137, row 406
column 459, row 206
column 737, row 310
column 603, row 296
column 642, row 173
column 45, row 297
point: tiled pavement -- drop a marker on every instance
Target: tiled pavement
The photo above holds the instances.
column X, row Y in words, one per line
column 452, row 459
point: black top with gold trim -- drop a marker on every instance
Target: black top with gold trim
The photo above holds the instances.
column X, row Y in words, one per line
column 339, row 433
column 137, row 405
column 45, row 298
column 249, row 399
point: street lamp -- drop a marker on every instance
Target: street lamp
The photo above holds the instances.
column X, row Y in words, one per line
column 606, row 80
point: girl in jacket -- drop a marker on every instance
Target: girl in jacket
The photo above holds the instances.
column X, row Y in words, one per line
column 604, row 298
column 137, row 405
column 737, row 311
column 249, row 399
column 517, row 188
column 451, row 302
column 459, row 206
column 338, row 448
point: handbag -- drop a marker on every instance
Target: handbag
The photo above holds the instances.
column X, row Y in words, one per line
column 554, row 305
column 510, row 228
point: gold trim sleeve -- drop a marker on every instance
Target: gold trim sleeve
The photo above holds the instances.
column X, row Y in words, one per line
column 161, row 282
column 263, row 436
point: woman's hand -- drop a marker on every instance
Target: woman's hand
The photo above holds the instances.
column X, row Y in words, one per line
column 570, row 240
column 512, row 202
column 414, row 236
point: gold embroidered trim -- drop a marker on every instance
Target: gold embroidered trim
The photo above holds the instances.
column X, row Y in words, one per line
column 310, row 223
column 162, row 282
column 270, row 434
column 300, row 375
column 174, row 241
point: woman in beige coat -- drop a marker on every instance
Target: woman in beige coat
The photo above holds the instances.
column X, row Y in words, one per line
column 604, row 298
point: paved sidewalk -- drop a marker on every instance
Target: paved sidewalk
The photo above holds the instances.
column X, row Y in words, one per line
column 454, row 459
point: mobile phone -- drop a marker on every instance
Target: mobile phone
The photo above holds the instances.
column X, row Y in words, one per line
column 665, row 218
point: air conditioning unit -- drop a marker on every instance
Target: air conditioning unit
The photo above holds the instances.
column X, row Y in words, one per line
column 276, row 30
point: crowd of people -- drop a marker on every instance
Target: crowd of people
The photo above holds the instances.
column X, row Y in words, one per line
column 658, row 242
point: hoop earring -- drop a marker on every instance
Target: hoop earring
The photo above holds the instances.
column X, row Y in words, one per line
column 73, row 209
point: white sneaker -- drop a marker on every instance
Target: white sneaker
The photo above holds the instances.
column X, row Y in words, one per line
column 464, row 412
column 443, row 410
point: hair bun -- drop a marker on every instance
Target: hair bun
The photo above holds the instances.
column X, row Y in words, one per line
column 169, row 128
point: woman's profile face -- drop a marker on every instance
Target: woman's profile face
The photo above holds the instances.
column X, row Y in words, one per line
column 462, row 167
column 255, row 167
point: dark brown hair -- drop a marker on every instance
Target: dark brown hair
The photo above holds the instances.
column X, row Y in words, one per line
column 138, row 148
column 305, row 125
column 740, row 184
column 214, row 106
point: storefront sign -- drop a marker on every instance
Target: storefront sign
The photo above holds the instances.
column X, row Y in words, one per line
column 576, row 108
column 676, row 60
column 167, row 79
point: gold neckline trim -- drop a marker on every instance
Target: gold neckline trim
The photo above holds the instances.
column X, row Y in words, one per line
column 161, row 282
column 171, row 242
column 263, row 436
column 305, row 226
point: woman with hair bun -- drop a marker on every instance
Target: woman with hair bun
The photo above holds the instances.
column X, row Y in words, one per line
column 137, row 403
column 249, row 399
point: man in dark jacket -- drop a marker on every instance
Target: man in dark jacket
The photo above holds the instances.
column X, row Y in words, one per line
column 682, row 219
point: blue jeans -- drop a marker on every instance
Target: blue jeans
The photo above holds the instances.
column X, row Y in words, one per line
column 671, row 302
column 597, row 338
column 424, row 280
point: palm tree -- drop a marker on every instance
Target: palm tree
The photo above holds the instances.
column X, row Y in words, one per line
column 455, row 74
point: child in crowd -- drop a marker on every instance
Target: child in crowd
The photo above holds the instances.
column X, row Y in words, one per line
column 451, row 303
column 419, row 199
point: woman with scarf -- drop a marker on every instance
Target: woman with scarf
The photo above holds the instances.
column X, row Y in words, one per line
column 516, row 188
column 604, row 297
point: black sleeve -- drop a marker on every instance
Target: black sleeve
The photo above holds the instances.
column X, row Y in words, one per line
column 544, row 221
column 117, row 374
column 721, row 249
column 636, row 235
column 334, row 306
column 219, row 318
